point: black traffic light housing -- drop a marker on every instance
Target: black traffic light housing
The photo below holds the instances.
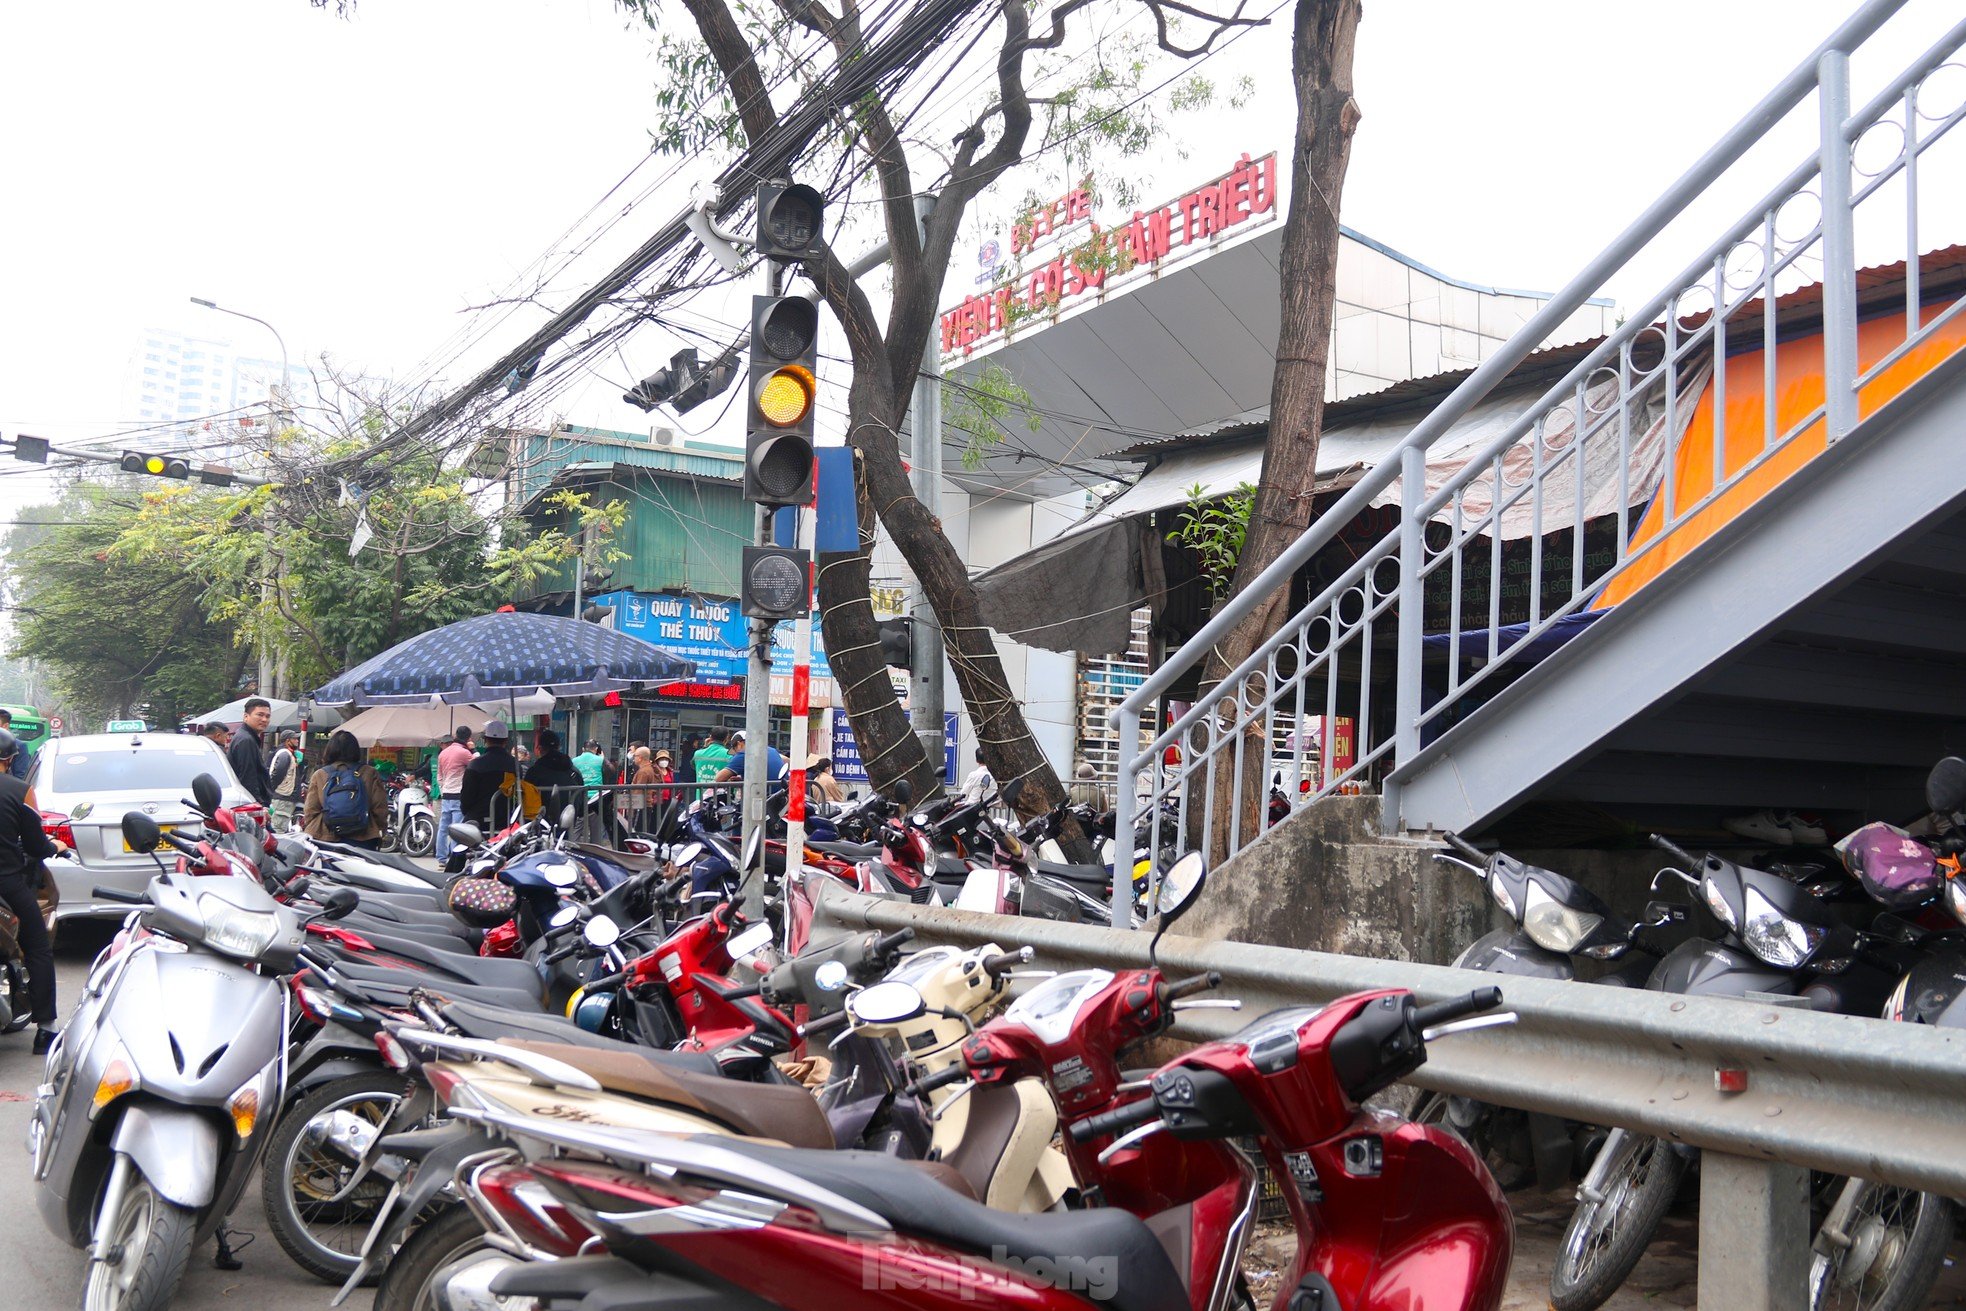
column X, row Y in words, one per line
column 157, row 466
column 791, row 221
column 897, row 642
column 781, row 400
column 777, row 583
column 32, row 449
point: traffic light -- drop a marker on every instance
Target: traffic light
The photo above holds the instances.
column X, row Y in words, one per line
column 32, row 449
column 782, row 400
column 684, row 385
column 157, row 466
column 777, row 583
column 790, row 221
column 897, row 642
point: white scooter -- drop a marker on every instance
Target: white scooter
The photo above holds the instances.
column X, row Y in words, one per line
column 412, row 823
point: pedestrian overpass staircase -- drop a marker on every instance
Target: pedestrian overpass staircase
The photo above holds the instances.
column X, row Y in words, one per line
column 1719, row 566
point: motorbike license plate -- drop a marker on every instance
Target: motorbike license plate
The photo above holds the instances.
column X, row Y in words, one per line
column 130, row 850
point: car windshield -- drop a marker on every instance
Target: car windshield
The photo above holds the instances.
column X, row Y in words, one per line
column 132, row 769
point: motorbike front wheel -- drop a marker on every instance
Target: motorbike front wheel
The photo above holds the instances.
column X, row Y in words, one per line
column 419, row 836
column 308, row 1166
column 150, row 1241
column 1891, row 1249
column 1605, row 1238
column 441, row 1243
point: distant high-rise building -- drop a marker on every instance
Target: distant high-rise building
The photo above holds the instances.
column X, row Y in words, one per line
column 181, row 382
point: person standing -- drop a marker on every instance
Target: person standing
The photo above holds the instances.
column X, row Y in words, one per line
column 712, row 756
column 665, row 772
column 552, row 772
column 23, row 846
column 776, row 769
column 452, row 761
column 979, row 785
column 248, row 752
column 23, row 761
column 490, row 776
column 285, row 779
column 346, row 801
column 593, row 767
column 219, row 734
column 820, row 780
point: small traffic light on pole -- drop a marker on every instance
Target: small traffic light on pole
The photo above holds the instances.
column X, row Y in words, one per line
column 791, row 221
column 897, row 642
column 157, row 466
column 782, row 400
column 777, row 583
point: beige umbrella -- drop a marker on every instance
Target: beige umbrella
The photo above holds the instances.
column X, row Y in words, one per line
column 414, row 726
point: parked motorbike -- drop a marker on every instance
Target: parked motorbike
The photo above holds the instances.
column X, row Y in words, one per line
column 158, row 1094
column 412, row 825
column 1554, row 919
column 1776, row 938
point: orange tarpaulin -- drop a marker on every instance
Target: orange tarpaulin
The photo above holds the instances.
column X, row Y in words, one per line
column 1798, row 390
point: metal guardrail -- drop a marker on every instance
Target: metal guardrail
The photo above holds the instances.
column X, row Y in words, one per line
column 1838, row 1093
column 1564, row 464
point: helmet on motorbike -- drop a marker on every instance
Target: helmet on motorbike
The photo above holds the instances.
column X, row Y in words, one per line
column 9, row 745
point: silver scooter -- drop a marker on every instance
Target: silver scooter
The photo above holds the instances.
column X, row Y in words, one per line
column 162, row 1090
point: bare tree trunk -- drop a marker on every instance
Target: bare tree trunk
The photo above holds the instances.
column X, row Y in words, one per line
column 1323, row 37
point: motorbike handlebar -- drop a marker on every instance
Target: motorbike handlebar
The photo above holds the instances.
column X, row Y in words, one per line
column 941, row 1079
column 1465, row 847
column 825, row 1024
column 1671, row 848
column 556, row 956
column 1481, row 999
column 1199, row 983
column 889, row 943
column 1115, row 1122
column 605, row 981
column 1004, row 962
column 118, row 894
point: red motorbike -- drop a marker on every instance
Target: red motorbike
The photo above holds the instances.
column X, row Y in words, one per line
column 1390, row 1216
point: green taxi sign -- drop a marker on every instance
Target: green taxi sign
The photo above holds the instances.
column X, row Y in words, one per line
column 127, row 726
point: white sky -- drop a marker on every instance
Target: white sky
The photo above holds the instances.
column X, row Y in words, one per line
column 359, row 183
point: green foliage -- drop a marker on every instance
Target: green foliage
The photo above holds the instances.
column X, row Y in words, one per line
column 979, row 407
column 113, row 633
column 1214, row 529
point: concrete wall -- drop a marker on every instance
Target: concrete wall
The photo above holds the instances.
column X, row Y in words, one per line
column 1326, row 880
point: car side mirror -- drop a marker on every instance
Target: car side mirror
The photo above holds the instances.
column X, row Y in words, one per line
column 1945, row 786
column 205, row 790
column 140, row 831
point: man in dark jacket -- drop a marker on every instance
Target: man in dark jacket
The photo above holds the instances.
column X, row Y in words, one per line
column 248, row 757
column 556, row 776
column 23, row 846
column 481, row 800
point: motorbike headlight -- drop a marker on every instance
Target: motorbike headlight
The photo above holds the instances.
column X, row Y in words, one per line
column 1775, row 937
column 243, row 933
column 1717, row 903
column 1500, row 891
column 1956, row 898
column 1552, row 925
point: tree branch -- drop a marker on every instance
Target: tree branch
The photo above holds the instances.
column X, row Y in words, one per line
column 1164, row 28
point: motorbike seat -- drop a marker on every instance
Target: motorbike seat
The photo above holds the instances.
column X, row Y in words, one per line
column 412, row 916
column 1133, row 1272
column 1091, row 875
column 475, row 1019
column 388, row 985
column 634, row 862
column 854, row 851
column 485, row 971
column 436, row 878
column 430, row 935
column 760, row 1110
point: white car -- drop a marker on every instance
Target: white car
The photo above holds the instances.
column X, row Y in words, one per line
column 83, row 786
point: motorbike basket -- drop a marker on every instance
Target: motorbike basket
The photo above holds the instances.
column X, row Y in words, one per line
column 482, row 903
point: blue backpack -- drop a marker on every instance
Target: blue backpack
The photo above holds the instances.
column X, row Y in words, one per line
column 344, row 802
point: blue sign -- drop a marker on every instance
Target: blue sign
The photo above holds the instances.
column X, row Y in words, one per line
column 848, row 767
column 712, row 633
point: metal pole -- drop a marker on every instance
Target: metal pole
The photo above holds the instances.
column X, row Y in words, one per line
column 757, row 699
column 1412, row 616
column 1123, row 807
column 1839, row 247
column 925, row 664
column 579, row 589
column 801, row 744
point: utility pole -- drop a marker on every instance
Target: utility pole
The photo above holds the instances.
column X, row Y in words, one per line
column 925, row 671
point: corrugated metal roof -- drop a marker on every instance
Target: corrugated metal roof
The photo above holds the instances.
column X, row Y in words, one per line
column 684, row 532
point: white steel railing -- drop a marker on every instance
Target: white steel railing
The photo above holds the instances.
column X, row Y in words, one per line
column 1532, row 528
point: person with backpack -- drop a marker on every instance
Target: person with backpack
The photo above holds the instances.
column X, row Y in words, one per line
column 346, row 801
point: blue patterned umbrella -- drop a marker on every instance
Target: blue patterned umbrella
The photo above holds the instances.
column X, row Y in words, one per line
column 494, row 657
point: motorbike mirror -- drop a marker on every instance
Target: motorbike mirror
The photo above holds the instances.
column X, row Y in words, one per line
column 686, row 854
column 1664, row 912
column 831, row 976
column 754, row 848
column 338, row 903
column 904, row 791
column 1179, row 887
column 1011, row 791
column 140, row 831
column 466, row 835
column 567, row 816
column 601, row 932
column 561, row 873
column 750, row 941
column 886, row 1003
column 205, row 790
column 562, row 917
column 1945, row 786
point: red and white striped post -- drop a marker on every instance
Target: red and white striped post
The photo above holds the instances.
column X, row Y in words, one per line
column 795, row 803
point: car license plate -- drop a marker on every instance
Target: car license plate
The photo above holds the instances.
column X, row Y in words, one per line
column 130, row 850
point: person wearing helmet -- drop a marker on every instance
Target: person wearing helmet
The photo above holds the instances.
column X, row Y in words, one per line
column 23, row 846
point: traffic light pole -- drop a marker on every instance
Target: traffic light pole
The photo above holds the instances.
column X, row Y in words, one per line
column 757, row 696
column 925, row 671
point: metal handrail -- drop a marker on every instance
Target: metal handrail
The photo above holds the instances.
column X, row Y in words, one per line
column 1548, row 442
